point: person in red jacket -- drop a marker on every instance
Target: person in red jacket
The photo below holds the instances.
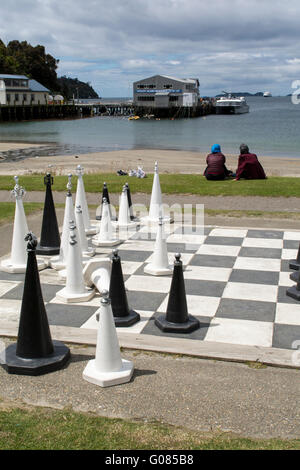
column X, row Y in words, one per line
column 248, row 165
column 216, row 169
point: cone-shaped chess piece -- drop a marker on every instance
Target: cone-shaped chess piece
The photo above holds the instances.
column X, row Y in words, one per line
column 159, row 265
column 34, row 353
column 294, row 291
column 105, row 235
column 105, row 195
column 295, row 263
column 108, row 368
column 86, row 250
column 50, row 240
column 177, row 319
column 131, row 213
column 123, row 315
column 18, row 257
column 59, row 262
column 156, row 205
column 81, row 201
column 124, row 214
column 97, row 273
column 75, row 290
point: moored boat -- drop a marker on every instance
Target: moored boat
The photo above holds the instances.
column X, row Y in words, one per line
column 231, row 105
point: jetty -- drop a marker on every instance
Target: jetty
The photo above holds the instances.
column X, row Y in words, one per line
column 74, row 110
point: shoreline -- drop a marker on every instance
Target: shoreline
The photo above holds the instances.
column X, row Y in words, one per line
column 169, row 161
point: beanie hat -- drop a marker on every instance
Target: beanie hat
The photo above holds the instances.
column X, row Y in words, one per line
column 244, row 148
column 216, row 148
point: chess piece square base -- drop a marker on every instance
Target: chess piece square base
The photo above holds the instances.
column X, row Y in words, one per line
column 113, row 242
column 293, row 292
column 91, row 230
column 37, row 366
column 108, row 379
column 150, row 269
column 294, row 264
column 90, row 252
column 187, row 327
column 64, row 296
column 47, row 250
column 8, row 267
column 294, row 276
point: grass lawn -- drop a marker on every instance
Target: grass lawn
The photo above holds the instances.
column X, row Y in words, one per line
column 48, row 429
column 170, row 184
column 7, row 210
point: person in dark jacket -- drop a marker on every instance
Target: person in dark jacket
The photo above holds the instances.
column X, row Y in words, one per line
column 216, row 169
column 248, row 165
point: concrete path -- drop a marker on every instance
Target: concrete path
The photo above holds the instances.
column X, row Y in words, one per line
column 200, row 394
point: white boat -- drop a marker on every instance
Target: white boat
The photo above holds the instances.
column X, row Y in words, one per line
column 231, row 105
column 267, row 94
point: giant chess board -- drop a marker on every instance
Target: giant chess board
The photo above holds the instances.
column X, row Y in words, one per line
column 235, row 282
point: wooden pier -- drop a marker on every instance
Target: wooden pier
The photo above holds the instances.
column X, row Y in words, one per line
column 75, row 110
column 37, row 111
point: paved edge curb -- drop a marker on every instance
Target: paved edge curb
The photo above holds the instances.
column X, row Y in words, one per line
column 185, row 347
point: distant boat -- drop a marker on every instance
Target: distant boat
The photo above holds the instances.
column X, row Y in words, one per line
column 231, row 105
column 267, row 94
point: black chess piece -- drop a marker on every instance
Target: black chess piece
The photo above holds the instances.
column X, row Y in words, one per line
column 177, row 319
column 123, row 315
column 34, row 353
column 50, row 239
column 294, row 291
column 131, row 214
column 105, row 195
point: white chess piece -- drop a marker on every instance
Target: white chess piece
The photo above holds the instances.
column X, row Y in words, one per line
column 59, row 262
column 75, row 290
column 85, row 249
column 105, row 235
column 108, row 368
column 17, row 262
column 159, row 265
column 156, row 205
column 81, row 201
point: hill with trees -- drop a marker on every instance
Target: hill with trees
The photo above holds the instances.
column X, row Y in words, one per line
column 74, row 88
column 21, row 58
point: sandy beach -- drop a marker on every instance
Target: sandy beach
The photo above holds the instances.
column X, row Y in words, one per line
column 169, row 161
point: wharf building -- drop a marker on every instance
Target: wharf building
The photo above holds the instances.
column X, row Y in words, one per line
column 19, row 90
column 23, row 99
column 164, row 96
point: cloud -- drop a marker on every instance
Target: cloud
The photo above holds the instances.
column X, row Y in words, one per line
column 249, row 44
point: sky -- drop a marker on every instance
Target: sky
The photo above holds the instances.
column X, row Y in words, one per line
column 231, row 45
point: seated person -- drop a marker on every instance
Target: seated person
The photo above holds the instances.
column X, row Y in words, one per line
column 216, row 169
column 248, row 165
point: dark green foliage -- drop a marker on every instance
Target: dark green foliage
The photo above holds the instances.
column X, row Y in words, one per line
column 21, row 58
column 72, row 87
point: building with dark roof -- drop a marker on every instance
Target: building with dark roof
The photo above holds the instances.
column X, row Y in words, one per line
column 20, row 90
column 162, row 91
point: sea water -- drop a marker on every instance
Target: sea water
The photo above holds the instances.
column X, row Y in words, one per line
column 271, row 128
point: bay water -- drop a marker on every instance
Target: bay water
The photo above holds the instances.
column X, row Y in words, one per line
column 271, row 128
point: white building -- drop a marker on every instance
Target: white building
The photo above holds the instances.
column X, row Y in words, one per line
column 19, row 90
column 162, row 91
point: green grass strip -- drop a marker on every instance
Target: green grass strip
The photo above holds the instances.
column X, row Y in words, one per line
column 7, row 210
column 170, row 184
column 48, row 429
